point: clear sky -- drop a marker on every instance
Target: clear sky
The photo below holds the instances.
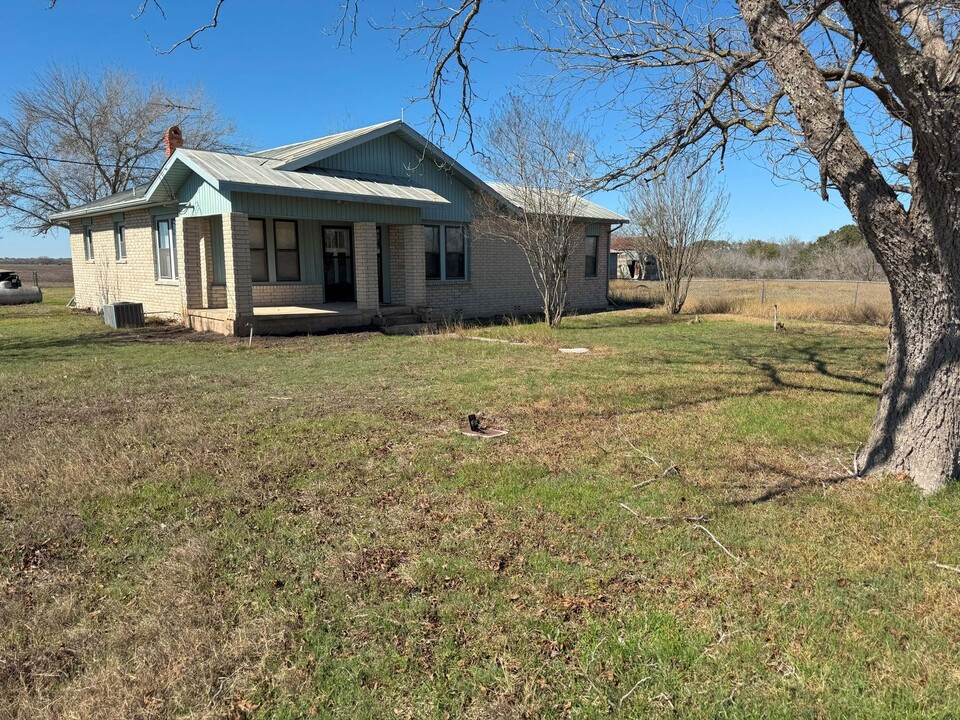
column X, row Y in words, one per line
column 274, row 70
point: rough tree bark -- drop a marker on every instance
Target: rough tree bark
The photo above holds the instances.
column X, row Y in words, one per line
column 917, row 427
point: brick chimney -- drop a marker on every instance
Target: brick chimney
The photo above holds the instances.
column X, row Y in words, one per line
column 173, row 139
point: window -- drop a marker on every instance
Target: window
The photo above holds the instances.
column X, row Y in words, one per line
column 166, row 247
column 592, row 242
column 455, row 253
column 445, row 251
column 287, row 251
column 120, row 240
column 88, row 243
column 431, row 249
column 259, row 272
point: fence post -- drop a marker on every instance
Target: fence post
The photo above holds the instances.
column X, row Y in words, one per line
column 856, row 293
column 763, row 291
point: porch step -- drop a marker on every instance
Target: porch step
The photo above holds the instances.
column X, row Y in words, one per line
column 407, row 318
column 413, row 328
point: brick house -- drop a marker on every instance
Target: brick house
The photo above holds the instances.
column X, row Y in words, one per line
column 341, row 231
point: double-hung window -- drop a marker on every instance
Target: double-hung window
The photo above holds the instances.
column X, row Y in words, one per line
column 120, row 240
column 165, row 237
column 286, row 251
column 259, row 272
column 445, row 252
column 88, row 243
column 454, row 253
column 431, row 249
column 592, row 243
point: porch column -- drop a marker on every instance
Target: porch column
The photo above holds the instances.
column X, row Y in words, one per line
column 189, row 234
column 414, row 266
column 365, row 263
column 206, row 263
column 236, row 256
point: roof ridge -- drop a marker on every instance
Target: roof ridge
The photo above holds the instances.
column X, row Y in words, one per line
column 267, row 152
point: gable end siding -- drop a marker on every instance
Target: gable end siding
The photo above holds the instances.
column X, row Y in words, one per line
column 392, row 156
column 199, row 198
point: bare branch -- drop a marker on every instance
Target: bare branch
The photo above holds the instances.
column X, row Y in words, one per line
column 191, row 38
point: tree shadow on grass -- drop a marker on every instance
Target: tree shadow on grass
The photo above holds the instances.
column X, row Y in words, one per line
column 792, row 482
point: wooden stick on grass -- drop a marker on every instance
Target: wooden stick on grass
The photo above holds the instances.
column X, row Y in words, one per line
column 717, row 542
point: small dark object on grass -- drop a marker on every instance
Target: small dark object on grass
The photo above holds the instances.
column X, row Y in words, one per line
column 478, row 430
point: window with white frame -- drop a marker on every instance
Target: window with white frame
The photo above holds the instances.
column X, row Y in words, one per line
column 259, row 271
column 592, row 243
column 445, row 252
column 88, row 243
column 165, row 243
column 120, row 240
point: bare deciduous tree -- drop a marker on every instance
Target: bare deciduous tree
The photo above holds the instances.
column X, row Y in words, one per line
column 859, row 96
column 538, row 161
column 73, row 138
column 676, row 214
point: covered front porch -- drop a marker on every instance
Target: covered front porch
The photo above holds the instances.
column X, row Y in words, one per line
column 297, row 319
column 287, row 275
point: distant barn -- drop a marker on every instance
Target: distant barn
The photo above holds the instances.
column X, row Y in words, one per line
column 628, row 260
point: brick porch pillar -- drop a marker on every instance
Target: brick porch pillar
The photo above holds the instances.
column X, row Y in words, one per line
column 236, row 255
column 206, row 263
column 365, row 264
column 414, row 266
column 190, row 234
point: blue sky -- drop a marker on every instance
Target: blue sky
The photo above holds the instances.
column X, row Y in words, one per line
column 273, row 69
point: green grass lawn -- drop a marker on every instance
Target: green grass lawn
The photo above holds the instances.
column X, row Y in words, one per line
column 192, row 527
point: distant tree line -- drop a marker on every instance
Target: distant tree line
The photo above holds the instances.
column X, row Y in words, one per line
column 841, row 254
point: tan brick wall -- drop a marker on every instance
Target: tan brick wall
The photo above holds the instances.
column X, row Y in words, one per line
column 414, row 267
column 287, row 294
column 365, row 264
column 193, row 233
column 500, row 282
column 236, row 252
column 105, row 280
column 499, row 279
column 397, row 269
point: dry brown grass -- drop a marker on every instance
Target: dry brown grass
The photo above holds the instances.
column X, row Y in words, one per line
column 853, row 302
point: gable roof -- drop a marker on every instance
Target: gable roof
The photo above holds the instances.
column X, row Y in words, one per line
column 246, row 173
column 299, row 155
column 284, row 170
column 338, row 142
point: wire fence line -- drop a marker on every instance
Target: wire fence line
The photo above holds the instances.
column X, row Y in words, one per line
column 836, row 300
column 763, row 291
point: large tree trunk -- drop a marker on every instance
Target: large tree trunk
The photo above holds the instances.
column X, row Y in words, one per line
column 917, row 428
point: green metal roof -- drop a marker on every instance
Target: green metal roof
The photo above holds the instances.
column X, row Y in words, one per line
column 284, row 171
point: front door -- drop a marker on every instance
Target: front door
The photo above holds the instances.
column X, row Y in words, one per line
column 338, row 279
